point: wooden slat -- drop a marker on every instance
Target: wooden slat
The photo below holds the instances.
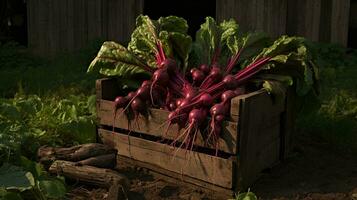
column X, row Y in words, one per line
column 288, row 124
column 125, row 16
column 255, row 15
column 63, row 20
column 259, row 142
column 104, row 16
column 204, row 167
column 70, row 26
column 113, row 20
column 80, row 23
column 154, row 125
column 54, row 26
column 275, row 107
column 339, row 22
column 304, row 18
column 43, row 36
column 94, row 16
column 176, row 178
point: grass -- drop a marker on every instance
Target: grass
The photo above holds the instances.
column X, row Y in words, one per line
column 45, row 101
column 64, row 74
column 333, row 117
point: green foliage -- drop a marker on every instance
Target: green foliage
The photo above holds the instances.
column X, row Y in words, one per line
column 171, row 32
column 213, row 39
column 15, row 178
column 291, row 57
column 115, row 60
column 21, row 72
column 245, row 196
column 28, row 122
column 29, row 180
column 333, row 115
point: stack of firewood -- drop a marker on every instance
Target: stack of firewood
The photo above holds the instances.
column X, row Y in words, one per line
column 91, row 164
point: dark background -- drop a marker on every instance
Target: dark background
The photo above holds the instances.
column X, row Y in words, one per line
column 13, row 16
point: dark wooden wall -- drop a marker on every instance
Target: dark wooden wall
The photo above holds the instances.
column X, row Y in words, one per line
column 318, row 20
column 66, row 25
column 56, row 26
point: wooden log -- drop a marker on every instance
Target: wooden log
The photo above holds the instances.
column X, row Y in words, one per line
column 93, row 176
column 102, row 161
column 47, row 155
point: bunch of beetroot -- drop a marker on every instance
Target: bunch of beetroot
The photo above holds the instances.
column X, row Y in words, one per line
column 195, row 81
column 202, row 94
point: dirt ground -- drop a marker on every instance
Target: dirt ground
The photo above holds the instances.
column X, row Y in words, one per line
column 314, row 171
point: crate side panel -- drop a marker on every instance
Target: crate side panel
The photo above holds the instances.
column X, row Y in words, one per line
column 259, row 142
column 175, row 178
column 204, row 167
column 155, row 124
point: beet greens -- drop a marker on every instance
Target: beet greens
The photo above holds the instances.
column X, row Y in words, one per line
column 220, row 63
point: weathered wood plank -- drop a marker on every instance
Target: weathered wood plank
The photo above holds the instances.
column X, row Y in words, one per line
column 113, row 21
column 275, row 107
column 155, row 124
column 255, row 15
column 43, row 27
column 340, row 21
column 70, row 26
column 212, row 169
column 176, row 178
column 63, row 20
column 288, row 124
column 259, row 145
column 94, row 16
column 104, row 16
column 304, row 18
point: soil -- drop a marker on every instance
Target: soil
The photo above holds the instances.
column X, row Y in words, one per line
column 314, row 171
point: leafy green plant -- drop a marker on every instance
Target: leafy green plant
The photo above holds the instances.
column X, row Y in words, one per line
column 29, row 180
column 28, row 122
column 245, row 196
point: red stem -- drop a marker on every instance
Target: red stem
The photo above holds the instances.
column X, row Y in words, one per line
column 233, row 61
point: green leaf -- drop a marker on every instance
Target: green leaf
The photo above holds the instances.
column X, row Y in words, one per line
column 290, row 57
column 34, row 168
column 9, row 111
column 115, row 60
column 247, row 196
column 170, row 31
column 207, row 39
column 173, row 24
column 253, row 44
column 212, row 39
column 8, row 195
column 53, row 188
column 276, row 89
column 91, row 103
column 181, row 45
column 15, row 178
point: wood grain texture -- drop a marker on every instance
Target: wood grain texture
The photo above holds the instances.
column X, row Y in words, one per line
column 57, row 26
column 255, row 15
column 304, row 18
column 259, row 142
column 176, row 178
column 288, row 118
column 88, row 174
column 204, row 167
column 155, row 124
column 340, row 21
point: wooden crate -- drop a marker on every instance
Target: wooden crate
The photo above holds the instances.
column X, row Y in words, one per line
column 255, row 138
